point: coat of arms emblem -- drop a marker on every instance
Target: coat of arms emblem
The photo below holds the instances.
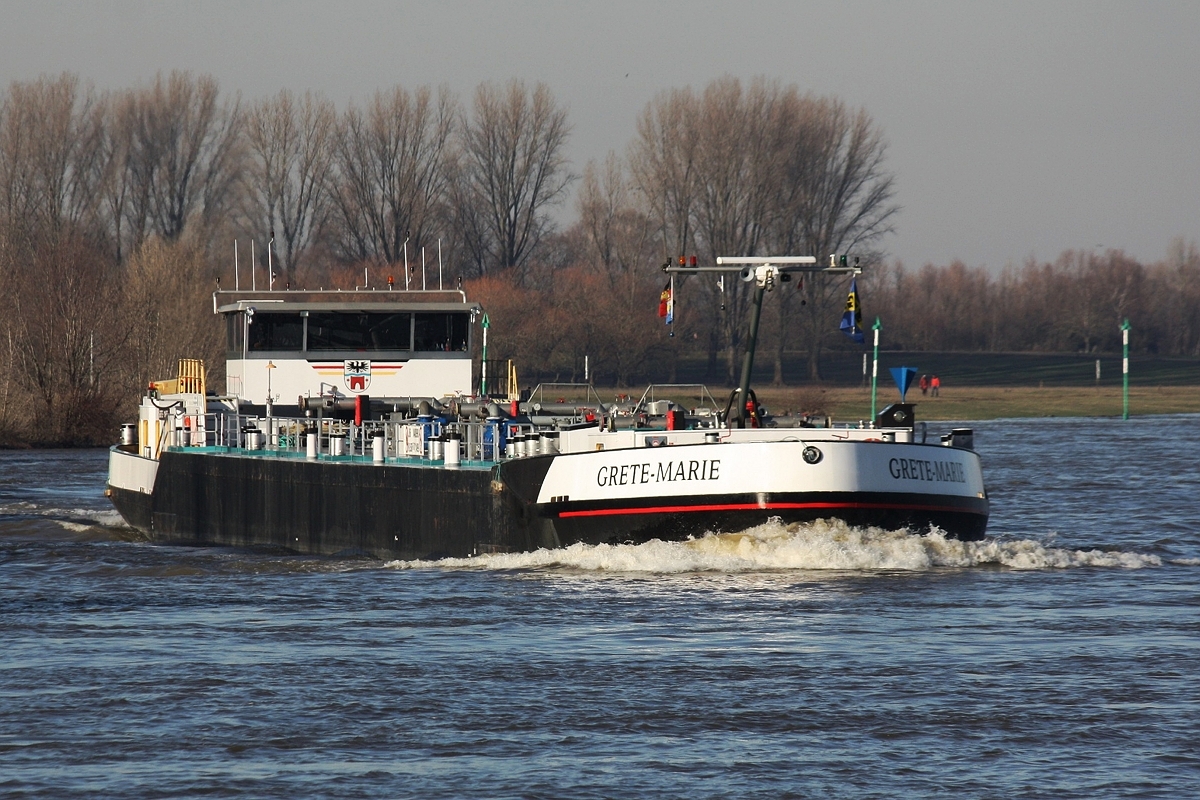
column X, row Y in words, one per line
column 357, row 375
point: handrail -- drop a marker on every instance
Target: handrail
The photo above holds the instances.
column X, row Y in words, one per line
column 539, row 391
column 704, row 393
column 483, row 442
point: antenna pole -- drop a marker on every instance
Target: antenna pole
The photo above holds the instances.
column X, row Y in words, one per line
column 439, row 263
column 253, row 274
column 236, row 280
column 748, row 361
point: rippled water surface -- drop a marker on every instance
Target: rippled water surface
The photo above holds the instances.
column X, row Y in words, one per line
column 1059, row 658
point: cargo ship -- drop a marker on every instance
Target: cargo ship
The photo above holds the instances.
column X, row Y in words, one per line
column 355, row 423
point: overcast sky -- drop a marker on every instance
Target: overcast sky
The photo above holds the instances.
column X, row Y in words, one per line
column 1015, row 129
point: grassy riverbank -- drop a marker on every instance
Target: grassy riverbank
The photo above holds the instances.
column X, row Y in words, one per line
column 989, row 402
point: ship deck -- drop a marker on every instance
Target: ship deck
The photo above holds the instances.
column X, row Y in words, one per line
column 324, row 458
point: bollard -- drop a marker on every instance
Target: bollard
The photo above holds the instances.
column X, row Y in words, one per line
column 453, row 452
column 378, row 444
column 311, row 439
column 251, row 437
column 962, row 437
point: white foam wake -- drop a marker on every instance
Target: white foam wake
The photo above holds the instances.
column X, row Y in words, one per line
column 87, row 518
column 822, row 545
column 73, row 519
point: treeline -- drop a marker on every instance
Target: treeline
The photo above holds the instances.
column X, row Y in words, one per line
column 120, row 210
column 1075, row 304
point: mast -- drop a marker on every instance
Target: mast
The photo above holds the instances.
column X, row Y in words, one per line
column 748, row 359
column 765, row 272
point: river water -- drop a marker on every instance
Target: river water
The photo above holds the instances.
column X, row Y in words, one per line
column 1058, row 658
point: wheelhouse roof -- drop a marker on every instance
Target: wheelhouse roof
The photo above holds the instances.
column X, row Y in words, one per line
column 368, row 301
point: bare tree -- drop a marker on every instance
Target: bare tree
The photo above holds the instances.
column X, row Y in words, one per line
column 843, row 203
column 116, row 141
column 390, row 173
column 617, row 233
column 713, row 171
column 514, row 169
column 65, row 338
column 620, row 242
column 663, row 160
column 290, row 148
column 743, row 149
column 663, row 167
column 1179, row 297
column 52, row 163
column 19, row 196
column 165, row 290
column 182, row 156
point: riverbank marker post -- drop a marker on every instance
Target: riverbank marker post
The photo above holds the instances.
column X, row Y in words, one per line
column 1125, row 367
column 875, row 365
column 487, row 323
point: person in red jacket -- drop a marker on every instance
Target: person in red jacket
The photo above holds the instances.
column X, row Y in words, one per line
column 935, row 383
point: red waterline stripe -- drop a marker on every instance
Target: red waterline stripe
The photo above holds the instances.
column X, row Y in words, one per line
column 609, row 512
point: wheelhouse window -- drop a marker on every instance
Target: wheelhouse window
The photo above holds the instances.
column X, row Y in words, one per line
column 359, row 331
column 440, row 331
column 233, row 331
column 276, row 332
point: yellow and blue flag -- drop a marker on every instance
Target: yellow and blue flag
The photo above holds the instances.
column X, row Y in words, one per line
column 852, row 319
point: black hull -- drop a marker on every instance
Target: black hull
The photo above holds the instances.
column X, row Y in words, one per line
column 331, row 508
column 411, row 512
column 960, row 517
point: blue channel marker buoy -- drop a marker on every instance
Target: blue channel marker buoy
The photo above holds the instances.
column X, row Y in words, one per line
column 903, row 377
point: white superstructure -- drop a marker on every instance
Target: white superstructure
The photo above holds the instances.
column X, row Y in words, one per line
column 287, row 345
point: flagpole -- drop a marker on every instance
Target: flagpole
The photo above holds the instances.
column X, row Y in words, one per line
column 875, row 366
column 671, row 308
column 1125, row 367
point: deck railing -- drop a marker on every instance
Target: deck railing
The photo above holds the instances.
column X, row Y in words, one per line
column 410, row 439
